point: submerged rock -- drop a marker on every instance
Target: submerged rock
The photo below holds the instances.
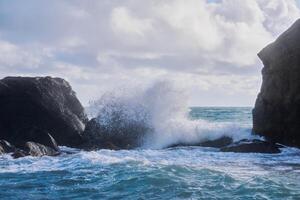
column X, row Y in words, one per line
column 276, row 115
column 252, row 146
column 33, row 107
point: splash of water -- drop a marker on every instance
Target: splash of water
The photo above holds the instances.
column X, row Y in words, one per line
column 160, row 114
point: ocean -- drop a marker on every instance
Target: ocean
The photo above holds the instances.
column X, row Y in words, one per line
column 154, row 172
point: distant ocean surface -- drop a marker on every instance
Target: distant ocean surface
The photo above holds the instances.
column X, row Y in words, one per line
column 155, row 173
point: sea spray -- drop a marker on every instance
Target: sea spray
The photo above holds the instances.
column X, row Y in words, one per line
column 158, row 116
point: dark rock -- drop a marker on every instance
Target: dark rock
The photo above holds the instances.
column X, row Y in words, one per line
column 112, row 137
column 36, row 149
column 276, row 115
column 33, row 107
column 41, row 137
column 218, row 143
column 19, row 154
column 252, row 146
column 31, row 148
column 6, row 147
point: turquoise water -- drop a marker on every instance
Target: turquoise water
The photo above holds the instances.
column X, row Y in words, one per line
column 238, row 115
column 174, row 173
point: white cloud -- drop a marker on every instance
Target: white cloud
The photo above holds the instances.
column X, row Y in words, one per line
column 98, row 45
column 13, row 56
column 192, row 21
column 123, row 22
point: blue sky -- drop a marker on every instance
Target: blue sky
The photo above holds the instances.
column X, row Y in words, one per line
column 207, row 47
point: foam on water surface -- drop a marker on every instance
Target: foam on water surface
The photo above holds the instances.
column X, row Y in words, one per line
column 176, row 173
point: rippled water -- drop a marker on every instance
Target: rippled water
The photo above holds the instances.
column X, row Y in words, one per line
column 176, row 173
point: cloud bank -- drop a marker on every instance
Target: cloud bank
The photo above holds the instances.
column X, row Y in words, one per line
column 209, row 47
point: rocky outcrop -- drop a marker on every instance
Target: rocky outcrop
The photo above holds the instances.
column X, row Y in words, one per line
column 98, row 136
column 19, row 154
column 276, row 115
column 33, row 107
column 36, row 149
column 30, row 148
column 6, row 147
column 252, row 146
column 226, row 144
column 217, row 143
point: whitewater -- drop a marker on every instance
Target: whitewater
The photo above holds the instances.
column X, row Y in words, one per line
column 153, row 171
column 159, row 116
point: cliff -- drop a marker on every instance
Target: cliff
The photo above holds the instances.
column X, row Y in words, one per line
column 276, row 114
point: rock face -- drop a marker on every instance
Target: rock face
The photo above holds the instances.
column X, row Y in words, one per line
column 31, row 108
column 277, row 109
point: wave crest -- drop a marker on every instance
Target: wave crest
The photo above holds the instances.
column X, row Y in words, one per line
column 157, row 117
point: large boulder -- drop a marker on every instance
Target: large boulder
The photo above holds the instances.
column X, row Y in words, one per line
column 276, row 115
column 33, row 107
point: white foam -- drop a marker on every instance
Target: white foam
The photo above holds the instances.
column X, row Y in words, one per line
column 239, row 165
column 163, row 109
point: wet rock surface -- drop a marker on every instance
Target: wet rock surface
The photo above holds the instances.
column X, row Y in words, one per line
column 36, row 149
column 30, row 148
column 252, row 146
column 6, row 147
column 19, row 154
column 217, row 143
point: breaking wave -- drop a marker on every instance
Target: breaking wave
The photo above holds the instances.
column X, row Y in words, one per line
column 160, row 114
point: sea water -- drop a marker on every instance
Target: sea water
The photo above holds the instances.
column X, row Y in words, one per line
column 157, row 173
column 154, row 171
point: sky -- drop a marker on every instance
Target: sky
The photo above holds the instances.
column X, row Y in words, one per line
column 209, row 47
